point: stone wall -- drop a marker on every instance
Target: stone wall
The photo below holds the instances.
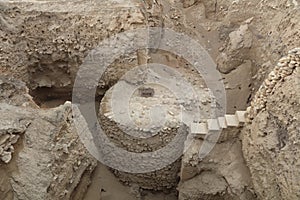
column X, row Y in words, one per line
column 271, row 139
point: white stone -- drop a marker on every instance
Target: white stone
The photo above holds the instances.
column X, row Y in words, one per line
column 281, row 64
column 222, row 122
column 199, row 128
column 4, row 138
column 231, row 120
column 241, row 116
column 284, row 59
column 6, row 157
column 213, row 125
column 14, row 139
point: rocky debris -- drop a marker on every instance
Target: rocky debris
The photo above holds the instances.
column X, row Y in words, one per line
column 205, row 186
column 240, row 39
column 52, row 153
column 8, row 138
column 285, row 67
column 188, row 3
column 39, row 148
column 76, row 27
column 271, row 140
column 239, row 43
column 67, row 35
column 215, row 177
column 15, row 92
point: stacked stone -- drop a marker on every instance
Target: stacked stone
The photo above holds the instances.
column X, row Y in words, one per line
column 285, row 67
column 6, row 146
column 161, row 179
column 13, row 92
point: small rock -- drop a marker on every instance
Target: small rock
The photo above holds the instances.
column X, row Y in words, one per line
column 188, row 3
column 241, row 38
column 14, row 139
column 6, row 157
column 4, row 138
column 248, row 21
column 65, row 149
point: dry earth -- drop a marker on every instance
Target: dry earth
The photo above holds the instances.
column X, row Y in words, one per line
column 43, row 43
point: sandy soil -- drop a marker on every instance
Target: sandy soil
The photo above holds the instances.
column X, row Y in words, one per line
column 106, row 186
column 245, row 38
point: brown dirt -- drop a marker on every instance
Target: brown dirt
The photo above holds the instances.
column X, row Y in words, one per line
column 44, row 42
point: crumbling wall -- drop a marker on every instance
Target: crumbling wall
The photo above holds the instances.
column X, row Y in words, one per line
column 42, row 155
column 271, row 139
column 44, row 43
column 285, row 67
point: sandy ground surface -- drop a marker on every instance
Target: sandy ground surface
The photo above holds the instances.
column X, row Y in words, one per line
column 112, row 189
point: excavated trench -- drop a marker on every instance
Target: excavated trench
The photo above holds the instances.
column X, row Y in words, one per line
column 51, row 85
column 44, row 46
column 105, row 182
column 48, row 91
column 47, row 97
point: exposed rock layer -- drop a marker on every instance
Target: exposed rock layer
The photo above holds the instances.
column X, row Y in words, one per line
column 49, row 161
column 271, row 140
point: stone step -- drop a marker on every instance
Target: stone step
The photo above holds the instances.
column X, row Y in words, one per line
column 231, row 120
column 222, row 122
column 241, row 116
column 213, row 125
column 199, row 128
column 203, row 128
